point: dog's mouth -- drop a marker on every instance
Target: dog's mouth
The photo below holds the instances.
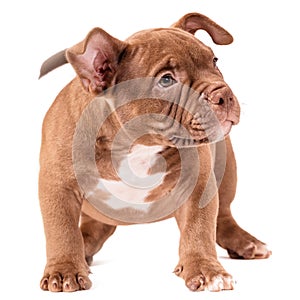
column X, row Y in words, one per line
column 182, row 142
column 213, row 136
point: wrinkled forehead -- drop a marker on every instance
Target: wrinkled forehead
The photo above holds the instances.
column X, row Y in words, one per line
column 173, row 41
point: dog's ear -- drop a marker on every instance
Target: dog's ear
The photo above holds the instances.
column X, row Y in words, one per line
column 95, row 59
column 194, row 21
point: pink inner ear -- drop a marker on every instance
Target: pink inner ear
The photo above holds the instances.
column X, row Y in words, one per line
column 85, row 83
column 92, row 69
column 95, row 59
column 100, row 63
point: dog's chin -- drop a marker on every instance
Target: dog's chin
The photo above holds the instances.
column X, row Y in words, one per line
column 226, row 127
column 215, row 136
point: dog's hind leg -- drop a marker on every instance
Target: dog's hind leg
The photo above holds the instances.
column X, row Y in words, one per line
column 237, row 242
column 94, row 235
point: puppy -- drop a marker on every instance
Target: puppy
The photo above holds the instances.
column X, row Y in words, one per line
column 141, row 134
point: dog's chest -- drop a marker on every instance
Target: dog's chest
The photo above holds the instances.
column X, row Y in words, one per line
column 140, row 160
column 140, row 171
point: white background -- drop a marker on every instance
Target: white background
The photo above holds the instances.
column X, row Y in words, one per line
column 261, row 66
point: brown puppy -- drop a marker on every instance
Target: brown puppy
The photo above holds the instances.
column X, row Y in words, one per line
column 155, row 106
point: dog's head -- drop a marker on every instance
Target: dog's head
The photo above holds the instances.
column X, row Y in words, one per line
column 182, row 69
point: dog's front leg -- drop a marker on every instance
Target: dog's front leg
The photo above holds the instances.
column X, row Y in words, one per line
column 66, row 268
column 198, row 264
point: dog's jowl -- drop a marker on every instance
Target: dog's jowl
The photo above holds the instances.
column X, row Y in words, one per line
column 141, row 134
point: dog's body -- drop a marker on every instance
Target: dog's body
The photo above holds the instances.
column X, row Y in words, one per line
column 169, row 57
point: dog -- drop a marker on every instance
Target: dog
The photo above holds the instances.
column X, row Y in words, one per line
column 154, row 108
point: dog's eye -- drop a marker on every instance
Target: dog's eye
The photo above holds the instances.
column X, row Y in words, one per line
column 166, row 81
column 215, row 59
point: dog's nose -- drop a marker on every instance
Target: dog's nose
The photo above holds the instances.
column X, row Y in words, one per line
column 222, row 97
column 224, row 100
column 221, row 101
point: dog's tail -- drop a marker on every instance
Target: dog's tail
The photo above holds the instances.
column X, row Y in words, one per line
column 53, row 62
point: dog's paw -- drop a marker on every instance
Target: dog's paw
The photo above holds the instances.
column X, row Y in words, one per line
column 239, row 243
column 65, row 278
column 250, row 250
column 215, row 284
column 201, row 275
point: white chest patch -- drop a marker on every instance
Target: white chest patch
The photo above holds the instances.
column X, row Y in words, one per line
column 136, row 183
column 141, row 159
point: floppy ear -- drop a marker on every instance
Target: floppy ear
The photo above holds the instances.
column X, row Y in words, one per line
column 194, row 21
column 95, row 59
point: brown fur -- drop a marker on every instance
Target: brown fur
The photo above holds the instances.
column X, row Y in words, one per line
column 74, row 229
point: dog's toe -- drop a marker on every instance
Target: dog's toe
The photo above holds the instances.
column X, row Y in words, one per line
column 197, row 283
column 220, row 282
column 44, row 283
column 65, row 277
column 70, row 283
column 66, row 283
column 52, row 283
column 84, row 282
